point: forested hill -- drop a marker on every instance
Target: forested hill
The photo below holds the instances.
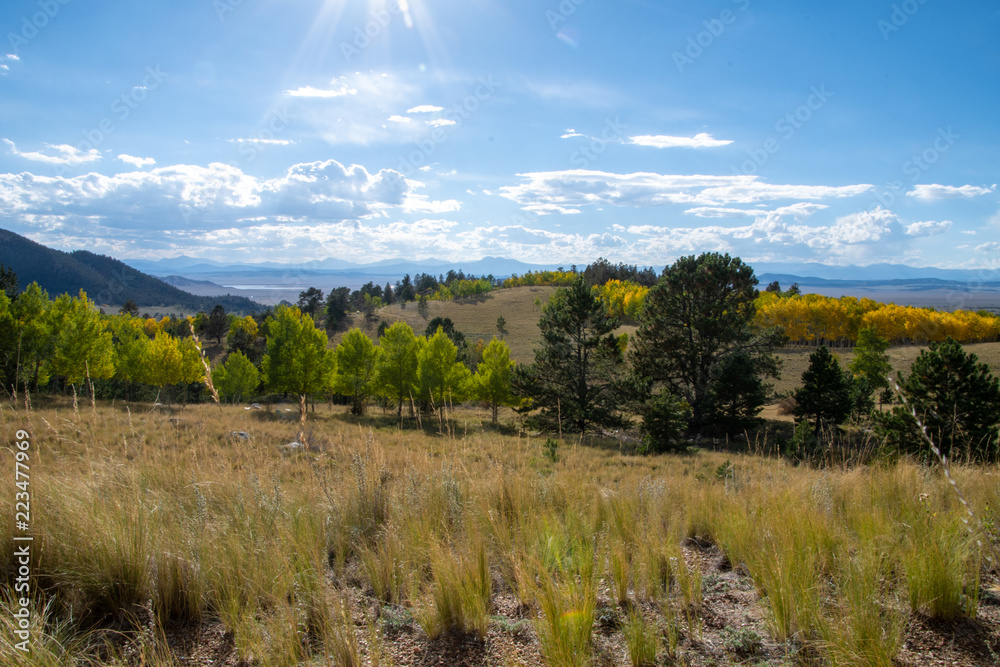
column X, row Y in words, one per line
column 105, row 279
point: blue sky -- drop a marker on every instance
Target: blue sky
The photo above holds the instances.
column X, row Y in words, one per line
column 853, row 132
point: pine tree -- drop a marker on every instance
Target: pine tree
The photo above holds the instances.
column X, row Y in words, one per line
column 218, row 324
column 573, row 379
column 695, row 318
column 957, row 400
column 825, row 394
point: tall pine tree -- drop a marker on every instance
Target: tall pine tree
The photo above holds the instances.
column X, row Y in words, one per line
column 574, row 375
column 825, row 395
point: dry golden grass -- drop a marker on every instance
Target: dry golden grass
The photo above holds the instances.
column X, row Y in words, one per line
column 156, row 529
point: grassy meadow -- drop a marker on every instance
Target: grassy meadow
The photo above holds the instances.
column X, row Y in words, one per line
column 196, row 535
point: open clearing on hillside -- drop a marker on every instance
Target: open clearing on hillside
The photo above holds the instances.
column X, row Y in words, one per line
column 196, row 535
column 476, row 318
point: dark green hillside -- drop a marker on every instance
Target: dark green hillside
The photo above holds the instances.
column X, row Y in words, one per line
column 105, row 279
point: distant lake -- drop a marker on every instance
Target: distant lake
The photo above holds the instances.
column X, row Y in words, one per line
column 268, row 287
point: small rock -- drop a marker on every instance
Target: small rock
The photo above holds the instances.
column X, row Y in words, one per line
column 242, row 435
column 292, row 447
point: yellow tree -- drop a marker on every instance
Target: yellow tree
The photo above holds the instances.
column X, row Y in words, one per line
column 82, row 345
column 171, row 361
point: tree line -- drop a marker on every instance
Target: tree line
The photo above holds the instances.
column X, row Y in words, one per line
column 700, row 359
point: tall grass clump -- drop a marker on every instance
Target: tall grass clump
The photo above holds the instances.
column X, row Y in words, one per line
column 53, row 642
column 866, row 627
column 941, row 563
column 460, row 594
column 564, row 591
column 641, row 639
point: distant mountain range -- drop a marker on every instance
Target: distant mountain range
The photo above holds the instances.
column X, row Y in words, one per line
column 501, row 267
column 198, row 284
column 190, row 266
column 106, row 281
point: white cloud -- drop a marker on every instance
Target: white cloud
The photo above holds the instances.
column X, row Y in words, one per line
column 441, row 122
column 424, row 204
column 570, row 133
column 260, row 141
column 934, row 191
column 424, row 108
column 360, row 117
column 700, row 140
column 65, row 154
column 799, row 210
column 137, row 162
column 13, row 56
column 989, row 247
column 555, row 191
column 209, row 197
column 341, row 89
column 400, row 119
column 928, row 228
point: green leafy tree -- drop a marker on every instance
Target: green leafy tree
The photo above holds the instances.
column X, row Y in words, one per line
column 494, row 374
column 443, row 379
column 573, row 378
column 956, row 398
column 696, row 319
column 218, row 324
column 82, row 344
column 871, row 363
column 297, row 361
column 236, row 378
column 397, row 367
column 456, row 336
column 9, row 345
column 357, row 361
column 131, row 344
column 825, row 395
column 32, row 339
